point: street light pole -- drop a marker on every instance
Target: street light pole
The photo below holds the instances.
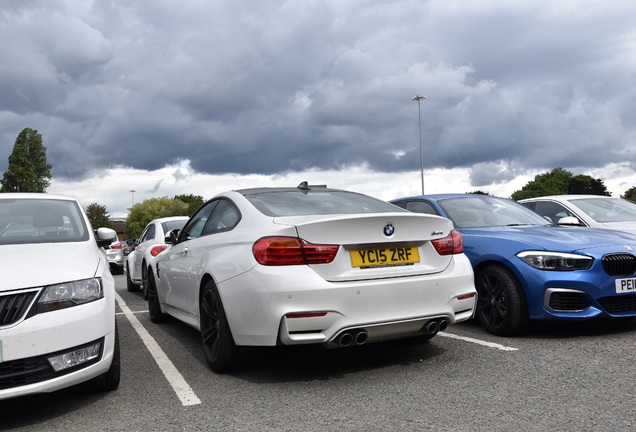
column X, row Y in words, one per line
column 132, row 191
column 418, row 98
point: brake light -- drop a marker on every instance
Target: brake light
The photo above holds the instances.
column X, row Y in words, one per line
column 278, row 251
column 449, row 245
column 156, row 250
column 116, row 246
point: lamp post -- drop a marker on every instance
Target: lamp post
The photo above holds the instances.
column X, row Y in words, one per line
column 132, row 191
column 418, row 98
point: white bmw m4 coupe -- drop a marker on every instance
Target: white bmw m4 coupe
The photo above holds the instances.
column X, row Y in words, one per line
column 309, row 265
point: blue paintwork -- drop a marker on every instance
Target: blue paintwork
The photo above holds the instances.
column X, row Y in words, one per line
column 500, row 244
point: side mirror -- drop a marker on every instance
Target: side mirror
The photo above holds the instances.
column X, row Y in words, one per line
column 172, row 237
column 105, row 236
column 569, row 221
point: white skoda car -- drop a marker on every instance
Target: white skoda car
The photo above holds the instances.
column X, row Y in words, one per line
column 57, row 298
column 309, row 265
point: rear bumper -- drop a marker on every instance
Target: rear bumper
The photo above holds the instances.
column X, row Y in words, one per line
column 268, row 305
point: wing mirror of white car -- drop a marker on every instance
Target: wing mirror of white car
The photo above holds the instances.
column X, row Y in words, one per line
column 569, row 220
column 172, row 237
column 104, row 236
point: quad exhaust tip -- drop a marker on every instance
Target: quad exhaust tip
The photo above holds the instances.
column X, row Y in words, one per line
column 360, row 336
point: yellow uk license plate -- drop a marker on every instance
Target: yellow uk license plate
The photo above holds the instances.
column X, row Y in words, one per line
column 384, row 256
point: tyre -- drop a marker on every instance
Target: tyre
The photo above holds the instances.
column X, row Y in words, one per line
column 501, row 305
column 156, row 314
column 130, row 286
column 219, row 348
column 110, row 380
column 144, row 280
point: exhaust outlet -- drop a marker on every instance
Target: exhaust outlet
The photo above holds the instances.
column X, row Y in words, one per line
column 345, row 339
column 431, row 327
column 443, row 325
column 361, row 337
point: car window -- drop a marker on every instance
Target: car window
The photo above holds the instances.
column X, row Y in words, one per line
column 607, row 209
column 316, row 202
column 224, row 217
column 149, row 234
column 553, row 210
column 485, row 211
column 41, row 221
column 168, row 226
column 194, row 228
column 421, row 207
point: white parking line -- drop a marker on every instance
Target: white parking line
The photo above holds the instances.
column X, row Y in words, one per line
column 179, row 385
column 478, row 342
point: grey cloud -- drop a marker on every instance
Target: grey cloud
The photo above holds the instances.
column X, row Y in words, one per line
column 271, row 87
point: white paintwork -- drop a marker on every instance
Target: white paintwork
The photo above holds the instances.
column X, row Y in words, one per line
column 140, row 257
column 34, row 266
column 389, row 301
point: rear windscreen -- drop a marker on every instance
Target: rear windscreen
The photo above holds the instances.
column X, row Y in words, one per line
column 317, row 202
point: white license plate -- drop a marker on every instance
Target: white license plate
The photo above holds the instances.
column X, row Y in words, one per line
column 625, row 285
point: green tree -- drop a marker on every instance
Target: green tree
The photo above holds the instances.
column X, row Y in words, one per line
column 152, row 208
column 98, row 216
column 584, row 184
column 554, row 182
column 561, row 182
column 630, row 194
column 193, row 202
column 479, row 192
column 28, row 170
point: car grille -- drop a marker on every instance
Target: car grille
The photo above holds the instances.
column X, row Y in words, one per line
column 619, row 304
column 568, row 301
column 23, row 372
column 14, row 306
column 623, row 264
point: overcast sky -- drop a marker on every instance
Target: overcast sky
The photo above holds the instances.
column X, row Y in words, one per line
column 165, row 97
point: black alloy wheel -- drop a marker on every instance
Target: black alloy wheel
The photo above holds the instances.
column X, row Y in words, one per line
column 154, row 307
column 501, row 306
column 219, row 348
column 144, row 280
column 130, row 286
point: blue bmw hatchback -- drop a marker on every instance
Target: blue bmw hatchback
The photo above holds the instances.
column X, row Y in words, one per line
column 527, row 268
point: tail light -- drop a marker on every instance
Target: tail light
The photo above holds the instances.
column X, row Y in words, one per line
column 449, row 245
column 157, row 249
column 279, row 251
column 116, row 246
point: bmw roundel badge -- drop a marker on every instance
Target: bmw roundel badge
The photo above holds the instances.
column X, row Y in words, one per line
column 389, row 230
